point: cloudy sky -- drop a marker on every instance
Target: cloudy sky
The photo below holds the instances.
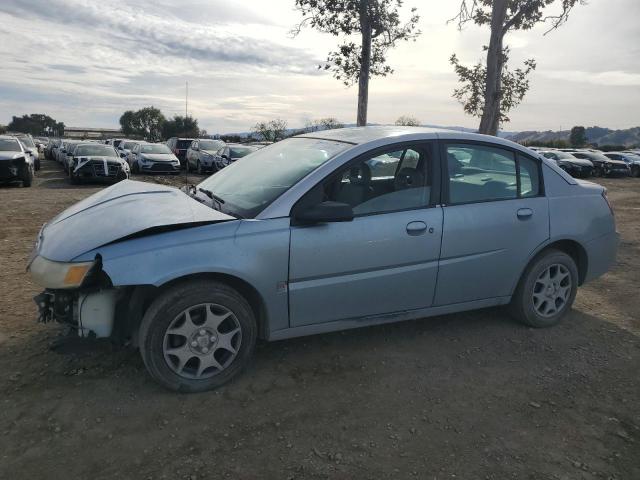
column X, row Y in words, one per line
column 85, row 61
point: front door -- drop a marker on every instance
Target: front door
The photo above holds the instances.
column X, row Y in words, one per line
column 386, row 259
column 495, row 216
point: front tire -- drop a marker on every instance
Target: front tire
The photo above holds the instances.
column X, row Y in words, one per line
column 27, row 176
column 197, row 336
column 73, row 179
column 546, row 290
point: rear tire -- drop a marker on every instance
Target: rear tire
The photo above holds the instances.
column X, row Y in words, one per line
column 228, row 343
column 546, row 290
column 635, row 171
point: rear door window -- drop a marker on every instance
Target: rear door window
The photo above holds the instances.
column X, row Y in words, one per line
column 481, row 173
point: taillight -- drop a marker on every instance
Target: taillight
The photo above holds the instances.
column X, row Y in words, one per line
column 606, row 199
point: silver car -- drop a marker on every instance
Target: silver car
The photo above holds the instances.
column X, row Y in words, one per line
column 201, row 155
column 340, row 229
column 153, row 158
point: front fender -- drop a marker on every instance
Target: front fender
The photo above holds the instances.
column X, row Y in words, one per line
column 255, row 251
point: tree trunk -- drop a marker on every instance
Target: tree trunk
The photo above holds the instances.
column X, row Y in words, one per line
column 365, row 63
column 490, row 121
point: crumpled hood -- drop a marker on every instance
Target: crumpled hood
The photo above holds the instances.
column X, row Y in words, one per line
column 124, row 209
column 11, row 155
column 159, row 157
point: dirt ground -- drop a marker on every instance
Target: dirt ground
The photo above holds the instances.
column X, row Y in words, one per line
column 467, row 396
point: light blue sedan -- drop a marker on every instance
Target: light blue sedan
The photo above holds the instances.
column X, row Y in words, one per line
column 322, row 232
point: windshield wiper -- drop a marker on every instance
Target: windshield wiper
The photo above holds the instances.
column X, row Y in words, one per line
column 211, row 195
column 218, row 200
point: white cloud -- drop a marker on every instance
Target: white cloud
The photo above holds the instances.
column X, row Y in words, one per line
column 85, row 62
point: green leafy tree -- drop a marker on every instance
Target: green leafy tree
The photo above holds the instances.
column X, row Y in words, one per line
column 180, row 126
column 150, row 121
column 486, row 89
column 147, row 123
column 127, row 122
column 514, row 86
column 36, row 124
column 578, row 137
column 270, row 131
column 369, row 28
column 408, row 121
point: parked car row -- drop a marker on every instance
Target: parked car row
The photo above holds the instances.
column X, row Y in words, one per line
column 589, row 162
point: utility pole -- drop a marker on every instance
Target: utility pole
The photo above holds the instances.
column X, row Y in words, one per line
column 184, row 124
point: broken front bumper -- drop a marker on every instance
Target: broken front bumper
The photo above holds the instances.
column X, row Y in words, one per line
column 92, row 313
column 99, row 169
column 12, row 169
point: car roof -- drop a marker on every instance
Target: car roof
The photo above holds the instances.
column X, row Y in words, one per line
column 360, row 135
column 378, row 135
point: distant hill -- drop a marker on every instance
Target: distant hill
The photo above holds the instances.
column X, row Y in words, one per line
column 595, row 135
column 291, row 131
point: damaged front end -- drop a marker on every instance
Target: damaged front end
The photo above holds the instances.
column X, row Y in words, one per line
column 79, row 295
column 13, row 169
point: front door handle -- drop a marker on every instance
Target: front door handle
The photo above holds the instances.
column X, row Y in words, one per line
column 416, row 228
column 524, row 213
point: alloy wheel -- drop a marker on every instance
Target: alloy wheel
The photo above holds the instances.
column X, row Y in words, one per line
column 552, row 290
column 202, row 341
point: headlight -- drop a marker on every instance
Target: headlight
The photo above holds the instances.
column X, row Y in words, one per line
column 49, row 274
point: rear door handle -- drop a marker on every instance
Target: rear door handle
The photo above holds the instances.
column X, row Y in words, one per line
column 416, row 228
column 524, row 213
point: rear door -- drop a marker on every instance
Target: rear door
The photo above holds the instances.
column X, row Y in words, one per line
column 495, row 215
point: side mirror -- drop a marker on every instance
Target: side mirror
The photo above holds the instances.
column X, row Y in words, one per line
column 326, row 212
